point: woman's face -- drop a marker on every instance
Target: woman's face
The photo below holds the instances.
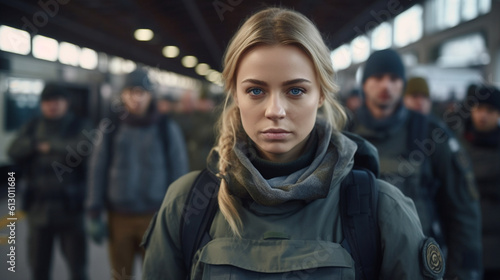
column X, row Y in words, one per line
column 278, row 95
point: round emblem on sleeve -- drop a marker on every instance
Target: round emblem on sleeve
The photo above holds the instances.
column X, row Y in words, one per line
column 432, row 259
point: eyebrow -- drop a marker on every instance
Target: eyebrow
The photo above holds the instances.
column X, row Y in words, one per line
column 286, row 83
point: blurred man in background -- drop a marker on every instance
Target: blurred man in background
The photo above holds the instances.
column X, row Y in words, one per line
column 49, row 150
column 481, row 139
column 130, row 171
column 417, row 96
column 425, row 162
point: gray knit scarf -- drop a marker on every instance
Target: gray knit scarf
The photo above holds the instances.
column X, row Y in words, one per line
column 333, row 160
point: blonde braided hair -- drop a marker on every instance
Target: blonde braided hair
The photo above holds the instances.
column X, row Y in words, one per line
column 272, row 26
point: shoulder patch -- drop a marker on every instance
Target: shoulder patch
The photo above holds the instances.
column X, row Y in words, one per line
column 432, row 259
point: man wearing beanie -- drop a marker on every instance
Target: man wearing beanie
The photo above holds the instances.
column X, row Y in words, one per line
column 481, row 139
column 423, row 159
column 417, row 96
column 47, row 150
column 130, row 170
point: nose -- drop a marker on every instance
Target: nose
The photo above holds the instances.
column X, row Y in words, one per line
column 275, row 109
column 386, row 79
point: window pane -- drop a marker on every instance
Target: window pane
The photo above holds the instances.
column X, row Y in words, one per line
column 440, row 14
column 408, row 26
column 484, row 6
column 451, row 12
column 464, row 51
column 469, row 9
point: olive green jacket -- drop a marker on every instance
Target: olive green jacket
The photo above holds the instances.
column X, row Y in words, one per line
column 317, row 243
column 293, row 239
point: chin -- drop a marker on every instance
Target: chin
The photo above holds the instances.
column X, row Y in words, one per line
column 277, row 150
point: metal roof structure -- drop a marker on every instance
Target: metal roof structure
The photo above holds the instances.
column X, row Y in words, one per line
column 198, row 27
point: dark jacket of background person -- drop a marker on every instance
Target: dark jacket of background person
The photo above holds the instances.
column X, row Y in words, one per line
column 55, row 192
column 197, row 119
column 59, row 174
column 139, row 154
column 136, row 178
column 484, row 150
column 436, row 174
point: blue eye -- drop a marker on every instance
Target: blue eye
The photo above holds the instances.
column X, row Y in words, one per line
column 296, row 91
column 255, row 91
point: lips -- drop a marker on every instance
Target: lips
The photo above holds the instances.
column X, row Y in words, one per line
column 275, row 134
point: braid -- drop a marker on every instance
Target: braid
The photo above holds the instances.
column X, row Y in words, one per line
column 228, row 126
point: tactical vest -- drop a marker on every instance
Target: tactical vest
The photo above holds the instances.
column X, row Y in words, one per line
column 279, row 257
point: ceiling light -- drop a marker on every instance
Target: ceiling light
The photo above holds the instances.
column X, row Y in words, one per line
column 202, row 69
column 14, row 40
column 170, row 51
column 189, row 61
column 143, row 34
column 69, row 54
column 214, row 77
column 88, row 59
column 45, row 48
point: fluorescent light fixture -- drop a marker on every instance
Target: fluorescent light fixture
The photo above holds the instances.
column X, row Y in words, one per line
column 341, row 57
column 360, row 49
column 14, row 40
column 382, row 36
column 115, row 65
column 88, row 59
column 45, row 48
column 69, row 54
column 214, row 77
column 143, row 34
column 128, row 66
column 189, row 61
column 170, row 51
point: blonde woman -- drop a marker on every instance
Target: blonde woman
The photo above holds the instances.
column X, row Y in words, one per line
column 280, row 160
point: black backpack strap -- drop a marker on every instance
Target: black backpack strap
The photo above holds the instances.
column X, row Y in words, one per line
column 358, row 207
column 198, row 214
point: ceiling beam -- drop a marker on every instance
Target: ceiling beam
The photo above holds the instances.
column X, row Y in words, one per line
column 108, row 43
column 204, row 31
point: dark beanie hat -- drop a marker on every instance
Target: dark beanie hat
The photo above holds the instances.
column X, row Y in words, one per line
column 384, row 61
column 138, row 78
column 417, row 86
column 488, row 95
column 53, row 91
